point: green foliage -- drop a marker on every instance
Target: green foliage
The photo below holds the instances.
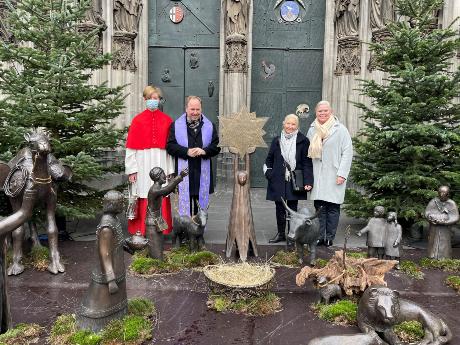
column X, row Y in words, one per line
column 453, row 282
column 174, row 261
column 411, row 269
column 411, row 142
column 320, row 263
column 285, row 258
column 451, row 265
column 85, row 337
column 21, row 334
column 141, row 307
column 53, row 89
column 134, row 329
column 343, row 311
column 409, row 331
column 357, row 255
column 265, row 304
column 38, row 258
column 63, row 328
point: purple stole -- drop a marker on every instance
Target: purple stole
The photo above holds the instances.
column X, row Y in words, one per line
column 180, row 127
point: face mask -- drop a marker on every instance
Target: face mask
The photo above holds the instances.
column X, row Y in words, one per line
column 152, row 104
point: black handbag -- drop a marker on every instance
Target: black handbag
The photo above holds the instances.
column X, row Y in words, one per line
column 297, row 181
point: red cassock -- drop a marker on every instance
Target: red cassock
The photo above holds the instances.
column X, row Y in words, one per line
column 149, row 130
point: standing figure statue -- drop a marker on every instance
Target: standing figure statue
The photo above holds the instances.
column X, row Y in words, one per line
column 35, row 164
column 376, row 232
column 347, row 18
column 127, row 14
column 241, row 223
column 154, row 223
column 382, row 12
column 441, row 212
column 105, row 298
column 393, row 238
column 236, row 20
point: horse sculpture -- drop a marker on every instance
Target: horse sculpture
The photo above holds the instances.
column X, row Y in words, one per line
column 191, row 228
column 34, row 165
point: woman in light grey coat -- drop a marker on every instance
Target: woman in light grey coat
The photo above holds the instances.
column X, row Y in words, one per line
column 331, row 151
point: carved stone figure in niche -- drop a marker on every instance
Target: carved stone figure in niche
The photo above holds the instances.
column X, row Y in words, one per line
column 347, row 18
column 126, row 15
column 94, row 12
column 236, row 19
column 382, row 12
column 105, row 298
column 441, row 212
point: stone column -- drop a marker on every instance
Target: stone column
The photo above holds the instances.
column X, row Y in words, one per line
column 235, row 71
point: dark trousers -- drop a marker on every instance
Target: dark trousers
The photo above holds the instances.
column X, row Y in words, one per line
column 328, row 218
column 281, row 214
column 194, row 201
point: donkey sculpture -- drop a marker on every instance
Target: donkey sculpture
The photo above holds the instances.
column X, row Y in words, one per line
column 35, row 165
column 191, row 228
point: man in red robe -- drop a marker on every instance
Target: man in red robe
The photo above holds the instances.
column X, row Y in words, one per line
column 145, row 149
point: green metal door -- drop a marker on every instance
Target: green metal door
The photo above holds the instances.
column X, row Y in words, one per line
column 184, row 53
column 287, row 66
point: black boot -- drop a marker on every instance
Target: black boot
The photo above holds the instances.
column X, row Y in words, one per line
column 279, row 237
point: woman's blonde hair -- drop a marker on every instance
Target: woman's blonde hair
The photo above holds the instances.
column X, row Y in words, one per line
column 149, row 90
column 323, row 102
column 292, row 117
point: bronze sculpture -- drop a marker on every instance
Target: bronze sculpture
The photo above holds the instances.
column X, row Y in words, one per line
column 105, row 298
column 35, row 164
column 303, row 229
column 376, row 232
column 155, row 224
column 241, row 224
column 7, row 225
column 190, row 228
column 380, row 308
column 442, row 213
column 393, row 238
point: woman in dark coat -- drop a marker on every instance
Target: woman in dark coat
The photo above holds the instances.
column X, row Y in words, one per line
column 287, row 152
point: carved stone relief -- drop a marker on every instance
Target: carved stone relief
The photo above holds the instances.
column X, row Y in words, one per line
column 126, row 17
column 348, row 56
column 236, row 27
column 347, row 34
column 123, row 46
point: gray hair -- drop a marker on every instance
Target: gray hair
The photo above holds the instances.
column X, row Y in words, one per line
column 293, row 117
column 323, row 102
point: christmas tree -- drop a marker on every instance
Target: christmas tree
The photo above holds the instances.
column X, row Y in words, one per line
column 45, row 78
column 410, row 144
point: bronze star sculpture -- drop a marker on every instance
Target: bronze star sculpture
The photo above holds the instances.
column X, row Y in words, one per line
column 242, row 133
